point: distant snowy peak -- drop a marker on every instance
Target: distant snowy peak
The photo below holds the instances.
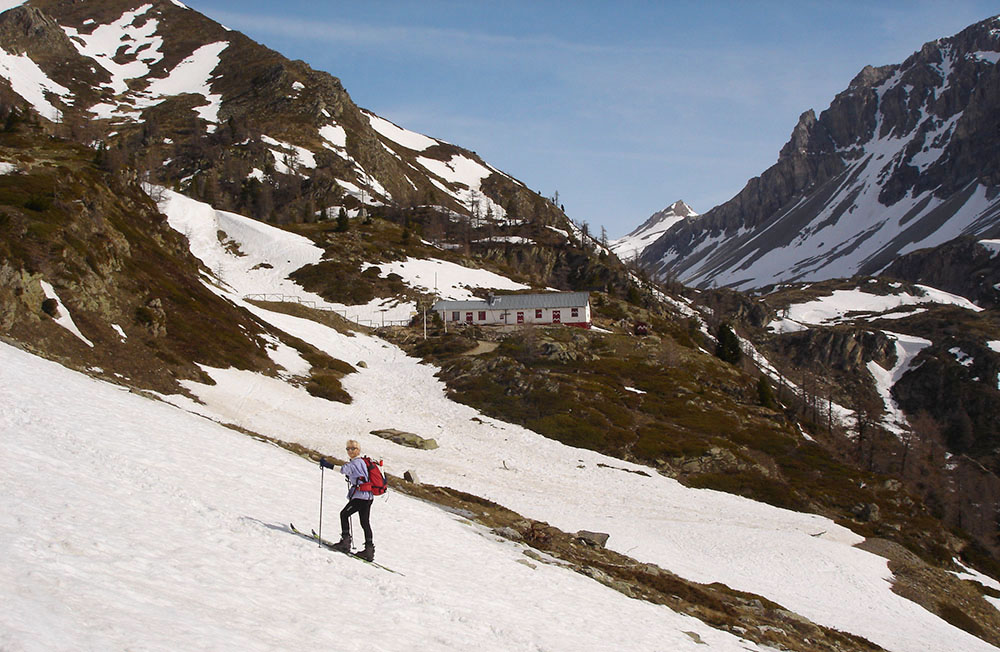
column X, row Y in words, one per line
column 905, row 158
column 632, row 245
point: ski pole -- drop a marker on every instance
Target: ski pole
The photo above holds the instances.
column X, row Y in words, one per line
column 321, row 478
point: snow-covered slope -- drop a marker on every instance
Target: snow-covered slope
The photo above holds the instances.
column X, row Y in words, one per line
column 253, row 259
column 904, row 159
column 124, row 65
column 126, row 516
column 129, row 524
column 632, row 245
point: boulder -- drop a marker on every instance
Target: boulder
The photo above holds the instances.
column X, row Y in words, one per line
column 406, row 439
column 595, row 539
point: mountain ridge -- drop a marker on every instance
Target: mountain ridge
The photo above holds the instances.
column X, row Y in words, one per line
column 904, row 158
column 633, row 243
column 179, row 291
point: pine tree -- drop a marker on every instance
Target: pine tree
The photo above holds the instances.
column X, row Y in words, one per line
column 728, row 347
column 342, row 222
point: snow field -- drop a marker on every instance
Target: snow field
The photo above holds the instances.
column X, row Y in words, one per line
column 804, row 562
column 128, row 524
column 843, row 304
column 31, row 83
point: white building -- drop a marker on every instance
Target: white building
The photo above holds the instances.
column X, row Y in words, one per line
column 569, row 308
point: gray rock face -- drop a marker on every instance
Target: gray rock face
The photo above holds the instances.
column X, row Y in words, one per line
column 406, row 439
column 596, row 539
column 905, row 154
column 962, row 266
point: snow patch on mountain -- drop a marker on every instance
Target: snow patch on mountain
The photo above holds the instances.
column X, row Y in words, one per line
column 249, row 258
column 334, row 135
column 405, row 137
column 632, row 245
column 192, row 75
column 992, row 245
column 120, row 40
column 458, row 170
column 847, row 305
column 27, row 80
column 448, row 280
column 62, row 315
column 468, row 175
column 128, row 48
column 907, row 348
column 288, row 158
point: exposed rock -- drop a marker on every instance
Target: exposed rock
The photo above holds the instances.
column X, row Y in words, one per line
column 406, row 439
column 838, row 348
column 961, row 266
column 411, row 476
column 596, row 539
column 939, row 106
column 508, row 533
column 866, row 512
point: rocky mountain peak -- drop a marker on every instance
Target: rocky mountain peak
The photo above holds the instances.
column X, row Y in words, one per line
column 904, row 158
column 195, row 105
column 680, row 208
column 632, row 245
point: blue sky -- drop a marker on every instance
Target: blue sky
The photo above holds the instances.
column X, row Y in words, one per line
column 620, row 107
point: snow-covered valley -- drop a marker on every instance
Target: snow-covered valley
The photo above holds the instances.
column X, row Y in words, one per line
column 132, row 523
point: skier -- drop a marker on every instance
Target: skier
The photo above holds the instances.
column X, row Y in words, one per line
column 358, row 502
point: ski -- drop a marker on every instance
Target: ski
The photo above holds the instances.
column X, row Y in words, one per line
column 329, row 546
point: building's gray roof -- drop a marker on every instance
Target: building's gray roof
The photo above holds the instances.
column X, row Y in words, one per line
column 520, row 302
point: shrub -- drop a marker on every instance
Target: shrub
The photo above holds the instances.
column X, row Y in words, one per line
column 324, row 385
column 765, row 393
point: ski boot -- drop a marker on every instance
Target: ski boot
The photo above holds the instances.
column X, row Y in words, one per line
column 344, row 545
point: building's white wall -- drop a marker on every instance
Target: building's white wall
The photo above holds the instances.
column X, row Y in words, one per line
column 496, row 317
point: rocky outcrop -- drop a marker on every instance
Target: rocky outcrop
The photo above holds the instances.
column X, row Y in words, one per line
column 962, row 266
column 407, row 439
column 841, row 349
column 897, row 156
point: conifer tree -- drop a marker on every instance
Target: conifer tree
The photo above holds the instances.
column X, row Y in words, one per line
column 728, row 347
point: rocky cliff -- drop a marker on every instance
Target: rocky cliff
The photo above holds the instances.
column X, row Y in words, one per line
column 906, row 157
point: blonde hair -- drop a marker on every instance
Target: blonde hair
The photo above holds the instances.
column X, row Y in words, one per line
column 354, row 442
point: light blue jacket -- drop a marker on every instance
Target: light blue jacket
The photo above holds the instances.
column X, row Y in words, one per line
column 357, row 472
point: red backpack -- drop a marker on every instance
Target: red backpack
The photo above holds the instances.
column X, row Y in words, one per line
column 376, row 481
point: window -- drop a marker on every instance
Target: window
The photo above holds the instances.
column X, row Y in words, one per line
column 456, row 315
column 575, row 312
column 520, row 316
column 482, row 315
column 468, row 317
column 555, row 317
column 538, row 313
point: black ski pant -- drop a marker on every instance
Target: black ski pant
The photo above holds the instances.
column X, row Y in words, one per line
column 363, row 509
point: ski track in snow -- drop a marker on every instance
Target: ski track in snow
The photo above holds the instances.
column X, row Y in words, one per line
column 126, row 516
